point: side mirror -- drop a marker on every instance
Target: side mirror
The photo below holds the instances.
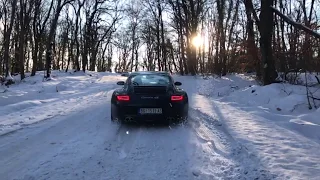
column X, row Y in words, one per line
column 120, row 83
column 177, row 83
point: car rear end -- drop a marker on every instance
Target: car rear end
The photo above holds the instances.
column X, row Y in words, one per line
column 151, row 103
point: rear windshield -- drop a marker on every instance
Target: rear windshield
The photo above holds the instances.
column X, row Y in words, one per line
column 150, row 80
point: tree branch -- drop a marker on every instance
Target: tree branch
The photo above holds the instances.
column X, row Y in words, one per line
column 295, row 24
column 66, row 2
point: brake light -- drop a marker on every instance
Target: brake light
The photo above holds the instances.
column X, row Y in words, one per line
column 176, row 98
column 123, row 98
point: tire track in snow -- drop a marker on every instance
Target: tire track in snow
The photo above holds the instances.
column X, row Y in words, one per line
column 126, row 138
column 151, row 152
column 207, row 131
column 233, row 159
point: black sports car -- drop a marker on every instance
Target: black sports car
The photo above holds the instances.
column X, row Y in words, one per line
column 149, row 96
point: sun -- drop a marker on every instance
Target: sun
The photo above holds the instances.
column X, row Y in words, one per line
column 197, row 41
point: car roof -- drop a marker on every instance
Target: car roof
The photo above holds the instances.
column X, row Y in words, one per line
column 150, row 72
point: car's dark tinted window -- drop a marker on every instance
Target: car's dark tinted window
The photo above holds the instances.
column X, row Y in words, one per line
column 150, row 80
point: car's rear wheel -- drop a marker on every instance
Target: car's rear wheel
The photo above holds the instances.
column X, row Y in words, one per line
column 112, row 116
column 112, row 119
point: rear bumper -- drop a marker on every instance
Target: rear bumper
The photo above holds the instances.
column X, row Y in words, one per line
column 172, row 112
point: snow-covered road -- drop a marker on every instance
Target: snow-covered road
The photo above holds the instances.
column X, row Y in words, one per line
column 86, row 145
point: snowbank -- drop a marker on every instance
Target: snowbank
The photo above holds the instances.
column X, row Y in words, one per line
column 300, row 78
column 276, row 97
column 282, row 103
column 225, row 85
column 309, row 119
column 244, row 90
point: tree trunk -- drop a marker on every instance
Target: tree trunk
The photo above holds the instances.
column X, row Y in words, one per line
column 22, row 39
column 163, row 47
column 7, row 35
column 251, row 46
column 50, row 41
column 266, row 29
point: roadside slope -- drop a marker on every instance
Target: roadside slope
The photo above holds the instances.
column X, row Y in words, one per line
column 286, row 150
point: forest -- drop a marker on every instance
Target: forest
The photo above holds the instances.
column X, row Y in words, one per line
column 188, row 37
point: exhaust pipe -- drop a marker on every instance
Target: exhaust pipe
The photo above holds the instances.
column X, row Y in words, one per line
column 128, row 118
column 170, row 119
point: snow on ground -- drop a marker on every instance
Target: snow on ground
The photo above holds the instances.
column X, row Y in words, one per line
column 272, row 122
column 33, row 99
column 236, row 130
column 84, row 144
column 300, row 78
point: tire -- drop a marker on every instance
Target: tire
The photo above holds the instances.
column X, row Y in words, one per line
column 112, row 119
column 111, row 115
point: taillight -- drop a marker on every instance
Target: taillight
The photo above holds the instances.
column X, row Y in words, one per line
column 176, row 98
column 123, row 98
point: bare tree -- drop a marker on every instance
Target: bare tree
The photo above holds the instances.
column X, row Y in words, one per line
column 7, row 35
column 158, row 35
column 53, row 27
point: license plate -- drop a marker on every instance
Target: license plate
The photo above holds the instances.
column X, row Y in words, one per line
column 150, row 111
